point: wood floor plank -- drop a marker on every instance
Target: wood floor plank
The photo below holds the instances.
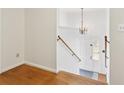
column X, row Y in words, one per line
column 101, row 77
column 28, row 75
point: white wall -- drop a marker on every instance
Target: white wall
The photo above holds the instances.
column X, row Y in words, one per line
column 40, row 42
column 32, row 34
column 116, row 47
column 67, row 29
column 12, row 37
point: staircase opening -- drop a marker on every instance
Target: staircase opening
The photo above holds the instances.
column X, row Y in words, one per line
column 84, row 54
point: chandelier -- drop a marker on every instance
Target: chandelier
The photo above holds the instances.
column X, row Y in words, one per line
column 82, row 29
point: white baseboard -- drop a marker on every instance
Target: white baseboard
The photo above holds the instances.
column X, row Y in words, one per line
column 11, row 67
column 40, row 66
column 28, row 63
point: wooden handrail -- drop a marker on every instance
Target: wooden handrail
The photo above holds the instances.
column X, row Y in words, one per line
column 73, row 53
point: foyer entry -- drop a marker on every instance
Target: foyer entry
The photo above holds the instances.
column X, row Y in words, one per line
column 88, row 54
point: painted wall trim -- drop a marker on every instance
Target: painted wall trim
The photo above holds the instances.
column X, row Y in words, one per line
column 11, row 67
column 40, row 66
column 0, row 40
column 28, row 63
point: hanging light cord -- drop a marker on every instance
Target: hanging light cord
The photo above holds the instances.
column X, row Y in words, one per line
column 82, row 17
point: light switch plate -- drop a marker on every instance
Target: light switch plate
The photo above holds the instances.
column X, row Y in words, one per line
column 121, row 27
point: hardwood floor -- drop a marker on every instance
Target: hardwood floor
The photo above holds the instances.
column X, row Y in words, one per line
column 28, row 75
column 102, row 77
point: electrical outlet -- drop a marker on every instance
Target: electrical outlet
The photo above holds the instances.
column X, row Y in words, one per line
column 17, row 55
column 121, row 27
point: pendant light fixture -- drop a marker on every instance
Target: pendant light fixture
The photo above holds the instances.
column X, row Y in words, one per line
column 82, row 29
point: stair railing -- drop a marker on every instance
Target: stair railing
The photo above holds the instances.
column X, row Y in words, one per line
column 73, row 53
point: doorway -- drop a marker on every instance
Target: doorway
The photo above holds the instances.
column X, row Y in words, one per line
column 83, row 54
